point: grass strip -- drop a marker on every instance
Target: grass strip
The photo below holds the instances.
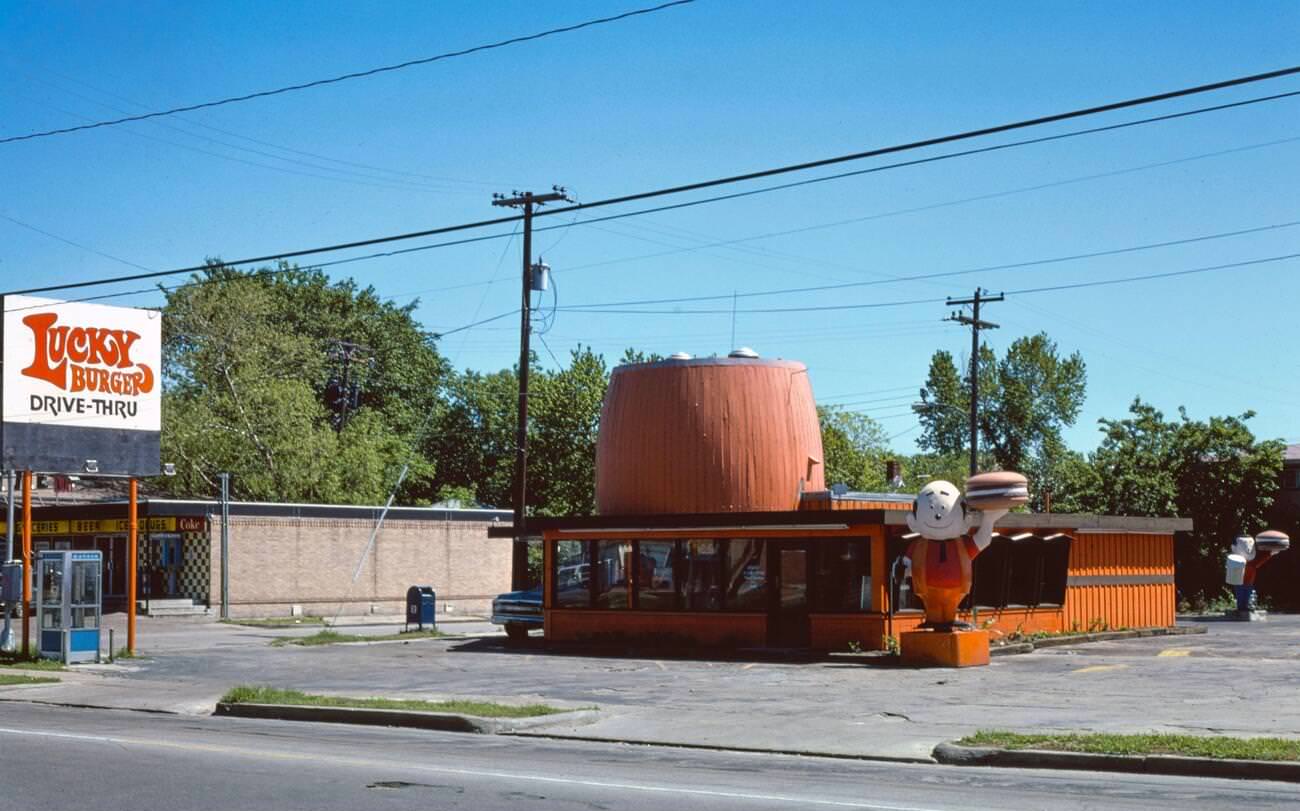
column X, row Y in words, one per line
column 277, row 622
column 16, row 663
column 1217, row 746
column 7, row 679
column 246, row 694
column 330, row 637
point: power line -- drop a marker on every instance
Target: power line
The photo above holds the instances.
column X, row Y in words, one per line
column 243, row 137
column 439, row 334
column 913, row 387
column 359, row 178
column 66, row 241
column 347, row 76
column 929, row 207
column 740, row 178
column 876, row 305
column 945, row 274
column 1148, row 276
column 931, row 142
column 731, row 243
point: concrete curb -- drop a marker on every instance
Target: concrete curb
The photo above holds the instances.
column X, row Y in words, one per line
column 1097, row 636
column 1108, row 636
column 710, row 747
column 953, row 755
column 439, row 721
column 1011, row 649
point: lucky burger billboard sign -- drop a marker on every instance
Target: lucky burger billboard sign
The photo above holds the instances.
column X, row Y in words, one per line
column 82, row 387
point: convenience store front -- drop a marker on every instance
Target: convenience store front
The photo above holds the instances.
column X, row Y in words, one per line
column 821, row 579
column 166, row 570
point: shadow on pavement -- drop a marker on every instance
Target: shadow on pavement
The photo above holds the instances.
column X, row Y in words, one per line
column 537, row 646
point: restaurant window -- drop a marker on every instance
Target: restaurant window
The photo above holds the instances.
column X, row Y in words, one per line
column 572, row 574
column 746, row 585
column 701, row 575
column 991, row 573
column 611, row 565
column 843, row 581
column 1025, row 583
column 1056, row 566
column 902, row 598
column 656, row 581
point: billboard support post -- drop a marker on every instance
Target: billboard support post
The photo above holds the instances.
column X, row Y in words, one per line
column 7, row 634
column 133, row 534
column 27, row 561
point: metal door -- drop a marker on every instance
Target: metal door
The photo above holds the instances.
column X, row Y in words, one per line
column 113, row 550
column 788, row 625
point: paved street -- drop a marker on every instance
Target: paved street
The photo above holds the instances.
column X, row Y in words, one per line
column 103, row 757
column 1236, row 679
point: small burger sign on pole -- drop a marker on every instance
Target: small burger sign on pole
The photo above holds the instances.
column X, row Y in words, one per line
column 82, row 391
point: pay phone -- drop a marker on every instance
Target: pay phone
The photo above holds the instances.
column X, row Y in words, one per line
column 68, row 604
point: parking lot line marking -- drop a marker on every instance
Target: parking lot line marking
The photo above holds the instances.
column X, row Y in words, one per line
column 1175, row 652
column 1098, row 668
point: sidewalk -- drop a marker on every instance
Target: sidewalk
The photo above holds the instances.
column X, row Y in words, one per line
column 1237, row 679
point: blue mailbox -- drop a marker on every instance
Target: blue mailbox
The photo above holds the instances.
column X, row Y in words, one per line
column 68, row 605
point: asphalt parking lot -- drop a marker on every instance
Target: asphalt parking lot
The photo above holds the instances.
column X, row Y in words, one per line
column 1238, row 678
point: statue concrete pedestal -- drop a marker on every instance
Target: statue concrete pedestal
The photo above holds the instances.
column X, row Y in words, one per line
column 930, row 648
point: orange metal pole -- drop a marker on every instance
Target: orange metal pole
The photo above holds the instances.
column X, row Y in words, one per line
column 27, row 561
column 130, row 571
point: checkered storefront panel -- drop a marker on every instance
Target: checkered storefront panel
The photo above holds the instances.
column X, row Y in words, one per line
column 196, row 569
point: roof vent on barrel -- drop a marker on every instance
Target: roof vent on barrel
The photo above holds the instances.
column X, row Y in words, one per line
column 742, row 352
column 699, row 435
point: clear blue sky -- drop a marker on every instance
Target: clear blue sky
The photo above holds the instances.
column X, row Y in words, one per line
column 690, row 93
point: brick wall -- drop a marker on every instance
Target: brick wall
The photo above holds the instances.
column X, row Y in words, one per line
column 279, row 562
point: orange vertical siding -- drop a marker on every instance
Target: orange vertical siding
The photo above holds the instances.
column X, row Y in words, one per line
column 1120, row 580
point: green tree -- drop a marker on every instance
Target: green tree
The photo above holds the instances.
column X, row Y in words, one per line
column 1213, row 471
column 1062, row 480
column 252, row 387
column 562, row 436
column 855, row 449
column 1025, row 399
column 473, row 441
column 474, row 444
column 922, row 468
column 631, row 355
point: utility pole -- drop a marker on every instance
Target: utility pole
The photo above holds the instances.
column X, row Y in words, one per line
column 347, row 392
column 527, row 202
column 975, row 324
column 225, row 545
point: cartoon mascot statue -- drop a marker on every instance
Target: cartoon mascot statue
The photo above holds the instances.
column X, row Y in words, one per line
column 940, row 560
column 1247, row 557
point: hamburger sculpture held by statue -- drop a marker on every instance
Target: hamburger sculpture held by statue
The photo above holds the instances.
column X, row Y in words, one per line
column 940, row 561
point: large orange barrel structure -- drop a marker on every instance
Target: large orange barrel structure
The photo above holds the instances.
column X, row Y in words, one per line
column 705, row 435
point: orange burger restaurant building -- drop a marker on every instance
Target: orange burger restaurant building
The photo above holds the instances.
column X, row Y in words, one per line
column 715, row 529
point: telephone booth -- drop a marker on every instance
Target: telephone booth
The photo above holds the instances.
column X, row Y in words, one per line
column 68, row 604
